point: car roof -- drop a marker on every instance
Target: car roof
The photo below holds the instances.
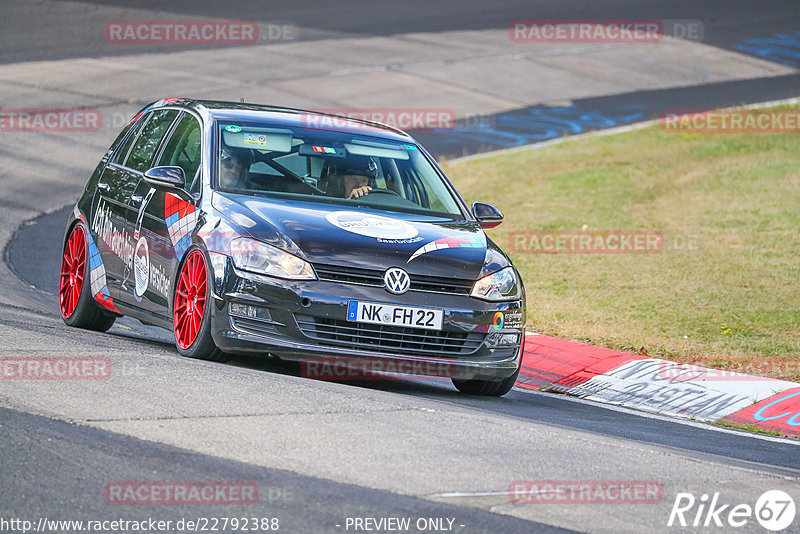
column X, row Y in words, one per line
column 288, row 117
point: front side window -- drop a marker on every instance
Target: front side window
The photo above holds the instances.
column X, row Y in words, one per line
column 332, row 167
column 183, row 148
column 146, row 144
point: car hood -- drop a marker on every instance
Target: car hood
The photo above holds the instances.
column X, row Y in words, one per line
column 360, row 237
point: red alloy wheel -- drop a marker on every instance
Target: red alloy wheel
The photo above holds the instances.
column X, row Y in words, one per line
column 190, row 299
column 73, row 267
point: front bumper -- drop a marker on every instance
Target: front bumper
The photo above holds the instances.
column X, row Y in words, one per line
column 306, row 321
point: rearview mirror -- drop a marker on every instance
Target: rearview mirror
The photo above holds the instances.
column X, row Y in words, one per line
column 487, row 215
column 168, row 178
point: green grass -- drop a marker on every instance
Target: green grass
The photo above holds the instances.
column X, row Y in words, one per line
column 730, row 300
column 749, row 428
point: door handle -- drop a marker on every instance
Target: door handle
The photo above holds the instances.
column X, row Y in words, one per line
column 137, row 198
column 104, row 186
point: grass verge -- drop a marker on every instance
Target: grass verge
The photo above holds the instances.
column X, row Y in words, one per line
column 750, row 428
column 723, row 292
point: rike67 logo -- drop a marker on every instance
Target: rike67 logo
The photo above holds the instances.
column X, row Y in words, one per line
column 774, row 510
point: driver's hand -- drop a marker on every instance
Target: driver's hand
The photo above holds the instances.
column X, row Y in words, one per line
column 359, row 192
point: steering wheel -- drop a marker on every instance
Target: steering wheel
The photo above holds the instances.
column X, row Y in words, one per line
column 383, row 191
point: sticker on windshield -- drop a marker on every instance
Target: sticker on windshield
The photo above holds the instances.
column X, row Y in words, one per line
column 255, row 139
column 472, row 241
column 233, row 128
column 372, row 225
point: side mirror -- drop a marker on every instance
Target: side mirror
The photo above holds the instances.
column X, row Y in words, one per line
column 167, row 178
column 488, row 216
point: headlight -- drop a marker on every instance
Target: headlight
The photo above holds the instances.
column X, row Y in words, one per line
column 257, row 257
column 502, row 285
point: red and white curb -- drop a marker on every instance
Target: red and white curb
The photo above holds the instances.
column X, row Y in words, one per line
column 659, row 386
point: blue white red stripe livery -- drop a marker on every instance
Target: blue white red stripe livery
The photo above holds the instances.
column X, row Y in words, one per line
column 472, row 241
column 181, row 218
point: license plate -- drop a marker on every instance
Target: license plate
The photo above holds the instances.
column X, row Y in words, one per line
column 392, row 315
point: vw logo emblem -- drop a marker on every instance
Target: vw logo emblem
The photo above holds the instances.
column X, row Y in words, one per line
column 396, row 280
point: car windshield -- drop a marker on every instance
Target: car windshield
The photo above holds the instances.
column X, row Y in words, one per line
column 332, row 167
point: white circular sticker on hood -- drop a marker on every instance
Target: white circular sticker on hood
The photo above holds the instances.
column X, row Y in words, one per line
column 372, row 225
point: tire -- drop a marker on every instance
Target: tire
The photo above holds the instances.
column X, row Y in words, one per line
column 76, row 303
column 491, row 388
column 191, row 310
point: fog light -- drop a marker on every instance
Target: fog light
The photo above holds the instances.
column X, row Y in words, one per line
column 501, row 339
column 249, row 311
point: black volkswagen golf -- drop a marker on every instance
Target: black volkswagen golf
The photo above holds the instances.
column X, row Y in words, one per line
column 310, row 237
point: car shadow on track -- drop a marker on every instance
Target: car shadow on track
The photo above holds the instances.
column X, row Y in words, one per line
column 542, row 409
column 414, row 385
column 560, row 411
column 429, row 387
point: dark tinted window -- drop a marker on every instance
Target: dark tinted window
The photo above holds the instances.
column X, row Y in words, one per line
column 134, row 130
column 327, row 166
column 183, row 148
column 149, row 138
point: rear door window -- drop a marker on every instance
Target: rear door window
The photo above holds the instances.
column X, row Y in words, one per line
column 119, row 157
column 149, row 139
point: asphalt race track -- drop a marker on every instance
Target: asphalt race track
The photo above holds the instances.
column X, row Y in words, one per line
column 323, row 452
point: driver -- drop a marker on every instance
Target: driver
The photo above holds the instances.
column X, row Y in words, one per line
column 355, row 184
column 355, row 180
column 234, row 166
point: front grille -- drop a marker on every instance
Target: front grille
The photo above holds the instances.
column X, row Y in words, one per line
column 392, row 339
column 374, row 277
